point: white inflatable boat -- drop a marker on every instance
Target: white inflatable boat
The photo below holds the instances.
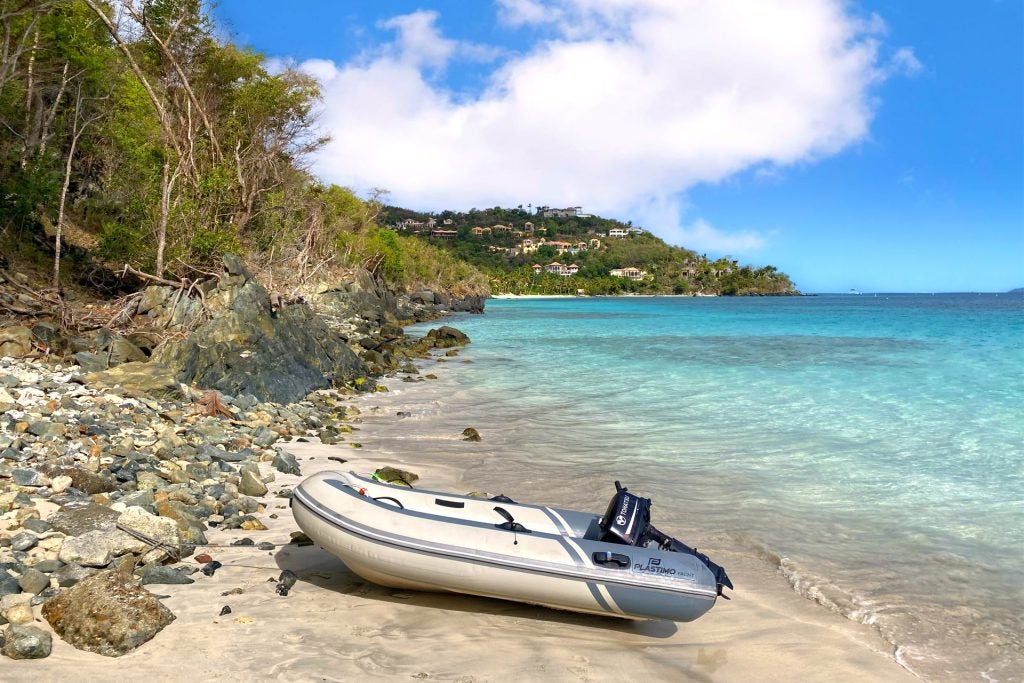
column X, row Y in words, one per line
column 618, row 565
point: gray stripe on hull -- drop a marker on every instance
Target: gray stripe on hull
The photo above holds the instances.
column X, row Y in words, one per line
column 598, row 597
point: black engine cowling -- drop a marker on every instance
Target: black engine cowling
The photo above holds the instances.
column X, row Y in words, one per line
column 628, row 521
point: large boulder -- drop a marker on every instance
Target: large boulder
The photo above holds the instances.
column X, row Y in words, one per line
column 248, row 348
column 108, row 613
column 15, row 341
column 445, row 337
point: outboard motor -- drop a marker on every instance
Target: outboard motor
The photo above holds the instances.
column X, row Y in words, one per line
column 628, row 522
column 627, row 518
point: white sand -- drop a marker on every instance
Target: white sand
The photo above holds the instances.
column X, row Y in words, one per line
column 336, row 627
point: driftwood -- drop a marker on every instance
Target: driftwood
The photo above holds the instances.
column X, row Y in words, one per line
column 212, row 406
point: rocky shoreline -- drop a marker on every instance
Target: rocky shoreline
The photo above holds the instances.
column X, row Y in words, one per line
column 117, row 460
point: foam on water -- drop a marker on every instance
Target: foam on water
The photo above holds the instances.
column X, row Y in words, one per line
column 870, row 448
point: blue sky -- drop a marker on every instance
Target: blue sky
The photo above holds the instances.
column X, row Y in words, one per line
column 870, row 145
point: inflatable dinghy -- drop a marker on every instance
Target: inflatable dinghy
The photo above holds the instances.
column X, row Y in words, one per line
column 617, row 565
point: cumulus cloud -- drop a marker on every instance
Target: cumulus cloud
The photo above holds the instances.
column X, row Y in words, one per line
column 618, row 106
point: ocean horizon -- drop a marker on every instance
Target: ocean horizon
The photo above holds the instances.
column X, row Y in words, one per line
column 868, row 448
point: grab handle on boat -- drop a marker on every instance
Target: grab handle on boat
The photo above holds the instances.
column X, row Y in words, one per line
column 606, row 557
column 510, row 523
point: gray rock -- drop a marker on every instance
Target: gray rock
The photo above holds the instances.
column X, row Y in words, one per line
column 46, row 428
column 12, row 454
column 248, row 348
column 8, row 584
column 445, row 337
column 265, row 437
column 33, row 581
column 36, row 525
column 80, row 519
column 285, row 462
column 26, row 477
column 108, row 613
column 48, row 566
column 23, row 541
column 155, row 573
column 26, row 641
column 251, row 485
column 70, row 574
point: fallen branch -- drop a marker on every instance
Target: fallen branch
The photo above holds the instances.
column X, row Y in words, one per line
column 153, row 278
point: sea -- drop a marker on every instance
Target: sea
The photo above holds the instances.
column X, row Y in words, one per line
column 869, row 449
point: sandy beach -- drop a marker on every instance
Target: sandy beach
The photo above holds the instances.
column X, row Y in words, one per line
column 334, row 626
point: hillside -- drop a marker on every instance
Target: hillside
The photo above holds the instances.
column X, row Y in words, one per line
column 136, row 137
column 566, row 251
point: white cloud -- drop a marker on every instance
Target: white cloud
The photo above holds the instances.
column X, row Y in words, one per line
column 625, row 104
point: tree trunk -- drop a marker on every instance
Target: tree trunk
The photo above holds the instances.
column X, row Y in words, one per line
column 165, row 211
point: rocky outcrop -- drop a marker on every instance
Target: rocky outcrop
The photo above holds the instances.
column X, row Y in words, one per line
column 248, row 348
column 108, row 613
column 445, row 337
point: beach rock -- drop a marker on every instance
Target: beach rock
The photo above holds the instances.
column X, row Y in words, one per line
column 265, row 437
column 248, row 348
column 79, row 519
column 108, row 613
column 15, row 341
column 23, row 541
column 250, row 485
column 445, row 337
column 285, row 462
column 393, row 475
column 470, row 434
column 91, row 549
column 160, row 529
column 20, row 613
column 33, row 581
column 70, row 574
column 27, row 642
column 27, row 477
column 139, row 379
column 160, row 574
column 8, row 584
column 81, row 479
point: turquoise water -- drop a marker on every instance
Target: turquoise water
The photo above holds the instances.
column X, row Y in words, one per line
column 872, row 447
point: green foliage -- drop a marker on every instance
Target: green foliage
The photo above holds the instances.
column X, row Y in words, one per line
column 669, row 269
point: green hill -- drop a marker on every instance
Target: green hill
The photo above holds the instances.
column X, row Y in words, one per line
column 564, row 251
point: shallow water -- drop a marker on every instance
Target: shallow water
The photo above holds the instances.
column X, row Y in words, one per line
column 869, row 448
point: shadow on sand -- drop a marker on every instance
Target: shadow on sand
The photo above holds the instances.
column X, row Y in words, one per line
column 313, row 564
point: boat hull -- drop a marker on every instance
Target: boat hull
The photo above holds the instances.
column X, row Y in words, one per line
column 414, row 548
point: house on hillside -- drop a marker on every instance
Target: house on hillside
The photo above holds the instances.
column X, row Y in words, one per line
column 528, row 228
column 537, row 268
column 480, row 232
column 618, row 232
column 629, row 273
column 568, row 212
column 499, row 228
column 446, row 235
